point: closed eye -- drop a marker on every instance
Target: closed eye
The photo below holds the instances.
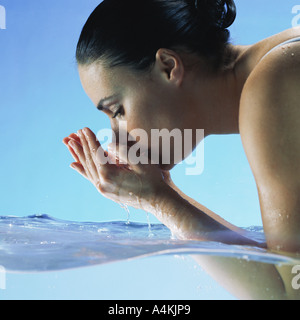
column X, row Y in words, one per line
column 118, row 112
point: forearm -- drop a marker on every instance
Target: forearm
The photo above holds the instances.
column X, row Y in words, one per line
column 206, row 210
column 143, row 187
column 189, row 220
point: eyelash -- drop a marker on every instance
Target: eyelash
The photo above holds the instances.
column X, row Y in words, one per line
column 119, row 111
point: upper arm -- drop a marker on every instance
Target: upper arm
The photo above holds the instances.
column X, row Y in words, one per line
column 270, row 130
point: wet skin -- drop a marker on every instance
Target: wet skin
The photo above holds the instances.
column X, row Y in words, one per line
column 256, row 98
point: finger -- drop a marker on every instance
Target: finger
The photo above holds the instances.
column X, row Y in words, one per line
column 98, row 154
column 66, row 141
column 78, row 149
column 89, row 161
column 91, row 139
column 75, row 137
column 74, row 155
column 72, row 136
column 79, row 168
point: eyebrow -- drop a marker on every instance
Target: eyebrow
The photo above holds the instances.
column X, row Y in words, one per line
column 100, row 106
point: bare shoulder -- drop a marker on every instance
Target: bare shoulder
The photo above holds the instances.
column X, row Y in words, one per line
column 270, row 131
column 270, row 107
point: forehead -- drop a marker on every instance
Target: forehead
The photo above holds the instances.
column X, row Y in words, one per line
column 96, row 80
column 100, row 82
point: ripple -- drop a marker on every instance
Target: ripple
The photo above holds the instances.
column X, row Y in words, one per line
column 40, row 243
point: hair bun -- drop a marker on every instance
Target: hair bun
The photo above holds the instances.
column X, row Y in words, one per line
column 221, row 13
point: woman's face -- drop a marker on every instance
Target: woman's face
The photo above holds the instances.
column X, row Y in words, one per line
column 143, row 101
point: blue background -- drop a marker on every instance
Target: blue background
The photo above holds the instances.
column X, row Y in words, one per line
column 42, row 101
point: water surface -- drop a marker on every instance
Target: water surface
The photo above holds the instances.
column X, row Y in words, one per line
column 42, row 243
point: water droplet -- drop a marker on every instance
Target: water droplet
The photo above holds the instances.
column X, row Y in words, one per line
column 246, row 257
column 150, row 235
column 123, row 206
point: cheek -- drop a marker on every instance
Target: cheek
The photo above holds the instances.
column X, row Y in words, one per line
column 148, row 110
column 139, row 129
column 140, row 113
column 139, row 122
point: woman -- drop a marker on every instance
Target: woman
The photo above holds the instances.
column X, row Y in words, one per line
column 167, row 64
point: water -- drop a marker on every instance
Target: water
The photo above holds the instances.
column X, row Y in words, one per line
column 42, row 243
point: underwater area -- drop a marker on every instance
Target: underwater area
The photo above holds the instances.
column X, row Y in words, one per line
column 40, row 244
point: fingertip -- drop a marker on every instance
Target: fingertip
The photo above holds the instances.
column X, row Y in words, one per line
column 65, row 141
column 74, row 136
column 75, row 166
column 88, row 131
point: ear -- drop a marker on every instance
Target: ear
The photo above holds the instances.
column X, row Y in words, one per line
column 169, row 63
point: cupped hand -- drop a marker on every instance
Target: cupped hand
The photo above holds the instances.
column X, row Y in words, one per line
column 136, row 185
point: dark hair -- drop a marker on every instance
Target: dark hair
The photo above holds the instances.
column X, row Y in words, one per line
column 130, row 32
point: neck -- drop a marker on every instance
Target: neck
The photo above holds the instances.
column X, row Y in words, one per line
column 218, row 97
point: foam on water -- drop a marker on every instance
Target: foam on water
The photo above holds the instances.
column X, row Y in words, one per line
column 41, row 243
